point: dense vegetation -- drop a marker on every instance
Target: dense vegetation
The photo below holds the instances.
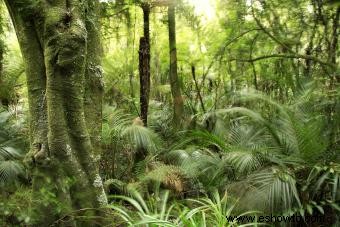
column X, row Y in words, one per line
column 184, row 112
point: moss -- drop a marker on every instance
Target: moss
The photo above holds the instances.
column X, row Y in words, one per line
column 57, row 106
column 54, row 16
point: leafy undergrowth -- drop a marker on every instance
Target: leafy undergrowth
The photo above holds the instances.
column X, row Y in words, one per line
column 271, row 158
column 251, row 160
column 158, row 210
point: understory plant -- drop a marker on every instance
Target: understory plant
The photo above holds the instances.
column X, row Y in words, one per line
column 160, row 210
column 272, row 157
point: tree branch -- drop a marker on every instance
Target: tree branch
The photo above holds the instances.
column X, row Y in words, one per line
column 267, row 32
column 307, row 57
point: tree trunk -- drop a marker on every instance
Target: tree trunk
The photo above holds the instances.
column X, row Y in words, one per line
column 1, row 64
column 252, row 63
column 174, row 81
column 333, row 118
column 59, row 44
column 2, row 52
column 334, row 43
column 144, row 65
column 129, row 45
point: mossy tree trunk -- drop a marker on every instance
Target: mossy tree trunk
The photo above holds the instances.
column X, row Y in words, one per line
column 144, row 64
column 174, row 81
column 59, row 44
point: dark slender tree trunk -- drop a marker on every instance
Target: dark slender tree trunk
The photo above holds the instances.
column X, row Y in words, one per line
column 144, row 65
column 144, row 75
column 334, row 42
column 174, row 81
column 59, row 43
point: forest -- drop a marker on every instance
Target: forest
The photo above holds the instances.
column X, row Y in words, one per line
column 191, row 113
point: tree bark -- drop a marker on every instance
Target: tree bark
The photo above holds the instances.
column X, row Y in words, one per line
column 144, row 65
column 334, row 43
column 59, row 44
column 333, row 120
column 2, row 52
column 130, row 45
column 174, row 81
column 1, row 64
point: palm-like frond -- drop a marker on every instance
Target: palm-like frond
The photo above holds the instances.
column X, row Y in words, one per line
column 312, row 143
column 10, row 153
column 248, row 148
column 245, row 162
column 201, row 139
column 295, row 131
column 13, row 70
column 160, row 121
column 268, row 153
column 321, row 177
column 115, row 122
column 10, row 170
column 142, row 138
column 256, row 117
column 273, row 189
column 206, row 166
column 118, row 128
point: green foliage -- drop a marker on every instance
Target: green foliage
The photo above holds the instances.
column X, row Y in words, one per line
column 141, row 138
column 14, row 209
column 273, row 150
column 12, row 78
column 323, row 177
column 122, row 133
column 158, row 210
column 11, row 153
column 119, row 126
column 267, row 154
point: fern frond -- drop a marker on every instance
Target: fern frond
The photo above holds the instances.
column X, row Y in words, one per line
column 142, row 138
